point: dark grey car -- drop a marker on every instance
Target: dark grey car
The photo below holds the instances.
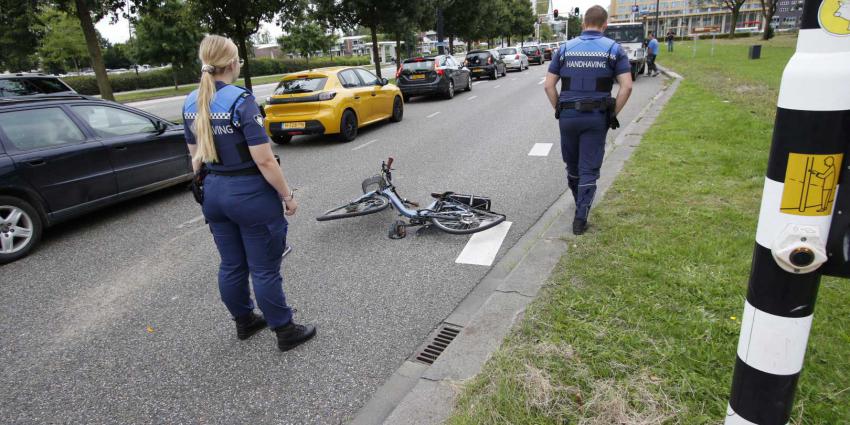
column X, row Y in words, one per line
column 487, row 63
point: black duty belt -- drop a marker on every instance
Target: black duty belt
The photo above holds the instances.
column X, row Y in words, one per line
column 243, row 172
column 585, row 105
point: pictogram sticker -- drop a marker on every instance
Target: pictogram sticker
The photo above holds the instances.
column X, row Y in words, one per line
column 834, row 16
column 810, row 182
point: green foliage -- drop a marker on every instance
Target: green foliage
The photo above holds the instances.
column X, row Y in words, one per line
column 21, row 34
column 164, row 77
column 63, row 47
column 307, row 39
column 118, row 55
column 546, row 33
column 167, row 33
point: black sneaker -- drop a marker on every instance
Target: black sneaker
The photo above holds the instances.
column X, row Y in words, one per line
column 292, row 335
column 248, row 325
column 579, row 226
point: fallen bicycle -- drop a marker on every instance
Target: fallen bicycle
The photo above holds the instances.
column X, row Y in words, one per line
column 450, row 212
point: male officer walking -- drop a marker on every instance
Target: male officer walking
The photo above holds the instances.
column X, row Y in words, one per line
column 651, row 55
column 587, row 66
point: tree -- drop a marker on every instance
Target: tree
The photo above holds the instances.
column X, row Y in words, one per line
column 768, row 9
column 21, row 34
column 733, row 6
column 118, row 55
column 306, row 39
column 546, row 33
column 408, row 17
column 460, row 18
column 239, row 20
column 64, row 45
column 165, row 33
column 88, row 12
column 521, row 19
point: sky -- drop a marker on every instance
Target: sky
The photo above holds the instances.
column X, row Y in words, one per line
column 120, row 32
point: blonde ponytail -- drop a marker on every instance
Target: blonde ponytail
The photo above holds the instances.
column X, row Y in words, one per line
column 216, row 53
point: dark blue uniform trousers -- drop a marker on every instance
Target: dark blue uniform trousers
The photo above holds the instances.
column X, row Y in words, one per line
column 582, row 147
column 246, row 219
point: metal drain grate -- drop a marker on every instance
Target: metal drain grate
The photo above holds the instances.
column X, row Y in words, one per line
column 444, row 336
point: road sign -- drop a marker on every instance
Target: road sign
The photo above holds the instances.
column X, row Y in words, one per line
column 635, row 9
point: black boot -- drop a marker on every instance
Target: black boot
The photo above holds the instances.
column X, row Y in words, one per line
column 248, row 325
column 292, row 335
column 579, row 226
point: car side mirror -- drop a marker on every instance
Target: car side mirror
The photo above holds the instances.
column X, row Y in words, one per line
column 160, row 126
column 383, row 81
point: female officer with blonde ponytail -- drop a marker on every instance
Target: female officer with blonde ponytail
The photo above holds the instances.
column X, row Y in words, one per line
column 242, row 194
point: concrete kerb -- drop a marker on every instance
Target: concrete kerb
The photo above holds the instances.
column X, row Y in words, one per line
column 420, row 394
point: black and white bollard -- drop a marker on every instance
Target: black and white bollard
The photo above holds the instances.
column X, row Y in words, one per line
column 802, row 230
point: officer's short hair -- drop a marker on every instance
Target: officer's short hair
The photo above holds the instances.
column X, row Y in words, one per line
column 596, row 16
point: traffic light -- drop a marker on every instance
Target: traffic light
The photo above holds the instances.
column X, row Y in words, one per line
column 576, row 10
column 555, row 13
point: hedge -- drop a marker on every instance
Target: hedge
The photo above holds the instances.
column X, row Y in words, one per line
column 87, row 84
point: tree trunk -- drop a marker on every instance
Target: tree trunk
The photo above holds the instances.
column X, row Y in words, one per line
column 735, row 12
column 246, row 68
column 397, row 51
column 174, row 75
column 94, row 49
column 509, row 40
column 373, row 28
column 451, row 44
column 468, row 45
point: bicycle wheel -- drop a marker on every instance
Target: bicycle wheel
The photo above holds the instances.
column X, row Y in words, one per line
column 364, row 206
column 460, row 219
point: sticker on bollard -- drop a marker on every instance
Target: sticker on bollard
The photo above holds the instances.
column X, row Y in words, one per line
column 810, row 182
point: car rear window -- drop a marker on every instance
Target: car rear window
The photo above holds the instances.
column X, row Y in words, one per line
column 421, row 65
column 301, row 85
column 11, row 87
column 48, row 85
column 529, row 50
column 507, row 51
column 478, row 58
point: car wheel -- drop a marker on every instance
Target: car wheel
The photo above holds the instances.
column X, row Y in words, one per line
column 20, row 228
column 282, row 139
column 468, row 83
column 398, row 110
column 494, row 75
column 505, row 72
column 348, row 126
column 450, row 93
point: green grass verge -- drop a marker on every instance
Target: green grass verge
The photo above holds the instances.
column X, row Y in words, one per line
column 184, row 89
column 640, row 321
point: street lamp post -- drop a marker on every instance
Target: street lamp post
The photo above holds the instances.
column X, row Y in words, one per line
column 656, row 18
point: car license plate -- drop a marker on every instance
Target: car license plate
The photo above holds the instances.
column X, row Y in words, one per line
column 417, row 77
column 476, row 69
column 299, row 124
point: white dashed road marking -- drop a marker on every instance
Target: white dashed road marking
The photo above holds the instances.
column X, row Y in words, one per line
column 433, row 115
column 540, row 149
column 483, row 247
column 365, row 144
column 473, row 97
column 477, row 83
column 497, row 86
column 541, row 81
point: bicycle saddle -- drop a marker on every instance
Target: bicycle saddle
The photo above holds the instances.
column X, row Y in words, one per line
column 441, row 195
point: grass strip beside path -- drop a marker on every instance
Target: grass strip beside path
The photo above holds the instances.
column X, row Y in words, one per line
column 640, row 321
column 137, row 96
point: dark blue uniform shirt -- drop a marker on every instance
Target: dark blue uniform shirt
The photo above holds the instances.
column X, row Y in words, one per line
column 236, row 124
column 584, row 60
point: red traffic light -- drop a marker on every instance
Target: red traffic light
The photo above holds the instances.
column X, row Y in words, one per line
column 555, row 12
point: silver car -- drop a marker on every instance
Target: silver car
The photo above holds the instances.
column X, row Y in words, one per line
column 514, row 58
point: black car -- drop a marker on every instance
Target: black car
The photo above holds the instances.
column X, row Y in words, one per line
column 62, row 156
column 535, row 54
column 547, row 51
column 486, row 63
column 433, row 75
column 14, row 85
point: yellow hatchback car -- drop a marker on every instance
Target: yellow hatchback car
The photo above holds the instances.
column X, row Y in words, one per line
column 336, row 100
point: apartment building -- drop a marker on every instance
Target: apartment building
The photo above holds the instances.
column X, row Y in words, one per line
column 687, row 18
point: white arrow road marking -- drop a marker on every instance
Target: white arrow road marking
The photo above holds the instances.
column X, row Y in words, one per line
column 483, row 247
column 540, row 149
column 433, row 115
column 365, row 144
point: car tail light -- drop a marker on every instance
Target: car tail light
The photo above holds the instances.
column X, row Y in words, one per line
column 398, row 73
column 328, row 95
column 440, row 72
column 490, row 60
column 517, row 56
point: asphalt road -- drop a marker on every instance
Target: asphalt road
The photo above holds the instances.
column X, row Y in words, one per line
column 116, row 318
column 170, row 107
